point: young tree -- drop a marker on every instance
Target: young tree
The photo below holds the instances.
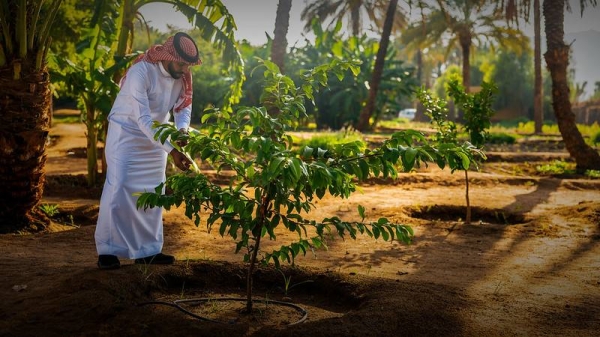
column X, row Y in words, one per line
column 25, row 105
column 478, row 111
column 275, row 184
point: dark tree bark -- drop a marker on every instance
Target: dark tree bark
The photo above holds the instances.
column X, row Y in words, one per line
column 282, row 23
column 538, row 108
column 557, row 60
column 24, row 128
column 420, row 114
column 367, row 111
column 465, row 38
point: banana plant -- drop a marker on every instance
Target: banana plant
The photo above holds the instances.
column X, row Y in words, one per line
column 104, row 53
column 341, row 103
column 211, row 17
column 88, row 75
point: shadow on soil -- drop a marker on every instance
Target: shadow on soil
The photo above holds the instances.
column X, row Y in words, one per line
column 108, row 303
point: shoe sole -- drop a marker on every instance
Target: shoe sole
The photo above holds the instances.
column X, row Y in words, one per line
column 153, row 262
column 112, row 266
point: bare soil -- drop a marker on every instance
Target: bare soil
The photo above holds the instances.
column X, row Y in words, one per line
column 527, row 265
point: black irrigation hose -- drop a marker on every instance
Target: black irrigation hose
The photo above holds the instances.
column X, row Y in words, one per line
column 206, row 299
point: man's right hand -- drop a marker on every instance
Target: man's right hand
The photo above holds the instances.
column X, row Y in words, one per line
column 180, row 160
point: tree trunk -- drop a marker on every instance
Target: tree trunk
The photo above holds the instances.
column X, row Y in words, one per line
column 92, row 148
column 367, row 110
column 420, row 114
column 123, row 43
column 355, row 20
column 465, row 45
column 538, row 111
column 557, row 60
column 24, row 128
column 282, row 22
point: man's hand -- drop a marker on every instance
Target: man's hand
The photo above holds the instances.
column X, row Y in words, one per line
column 182, row 142
column 180, row 160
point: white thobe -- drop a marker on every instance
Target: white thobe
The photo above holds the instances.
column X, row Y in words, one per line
column 136, row 162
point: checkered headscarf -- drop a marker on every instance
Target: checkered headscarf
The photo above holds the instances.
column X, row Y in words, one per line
column 177, row 48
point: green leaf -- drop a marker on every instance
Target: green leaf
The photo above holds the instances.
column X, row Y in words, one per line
column 376, row 232
column 384, row 234
column 361, row 211
column 409, row 158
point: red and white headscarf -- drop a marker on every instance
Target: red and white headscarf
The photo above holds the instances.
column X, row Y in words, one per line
column 177, row 48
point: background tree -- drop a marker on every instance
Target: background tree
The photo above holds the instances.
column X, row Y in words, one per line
column 512, row 74
column 464, row 23
column 365, row 114
column 514, row 10
column 25, row 102
column 337, row 10
column 282, row 23
column 538, row 93
column 557, row 60
column 340, row 105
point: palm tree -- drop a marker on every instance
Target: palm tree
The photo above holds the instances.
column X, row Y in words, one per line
column 25, row 100
column 353, row 10
column 282, row 23
column 557, row 60
column 367, row 111
column 463, row 23
column 538, row 94
column 520, row 8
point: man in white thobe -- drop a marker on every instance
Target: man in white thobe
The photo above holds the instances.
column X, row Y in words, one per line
column 158, row 82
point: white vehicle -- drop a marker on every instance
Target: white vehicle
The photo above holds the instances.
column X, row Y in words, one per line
column 407, row 113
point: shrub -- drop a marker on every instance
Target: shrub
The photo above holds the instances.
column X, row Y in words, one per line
column 328, row 140
column 596, row 138
column 501, row 138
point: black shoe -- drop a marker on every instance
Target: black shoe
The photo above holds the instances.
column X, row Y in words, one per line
column 108, row 262
column 159, row 258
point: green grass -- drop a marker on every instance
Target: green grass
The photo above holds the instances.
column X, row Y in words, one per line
column 325, row 140
column 560, row 167
column 49, row 209
column 66, row 119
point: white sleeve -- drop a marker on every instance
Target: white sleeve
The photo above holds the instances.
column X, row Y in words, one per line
column 183, row 118
column 137, row 82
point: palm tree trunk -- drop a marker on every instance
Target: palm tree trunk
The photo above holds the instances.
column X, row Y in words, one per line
column 538, row 111
column 465, row 45
column 367, row 111
column 355, row 19
column 420, row 114
column 557, row 60
column 24, row 128
column 282, row 23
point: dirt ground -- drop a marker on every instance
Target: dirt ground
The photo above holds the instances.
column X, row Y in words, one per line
column 528, row 264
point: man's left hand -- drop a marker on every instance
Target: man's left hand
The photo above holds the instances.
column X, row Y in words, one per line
column 182, row 142
column 180, row 160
